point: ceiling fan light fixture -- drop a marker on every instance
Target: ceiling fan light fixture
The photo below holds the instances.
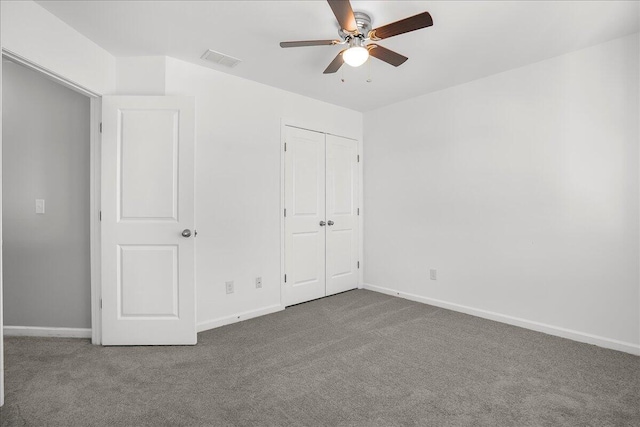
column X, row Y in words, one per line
column 357, row 54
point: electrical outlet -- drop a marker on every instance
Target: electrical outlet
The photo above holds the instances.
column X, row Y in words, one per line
column 258, row 282
column 229, row 287
column 433, row 274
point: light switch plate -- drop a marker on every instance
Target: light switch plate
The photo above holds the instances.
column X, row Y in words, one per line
column 39, row 206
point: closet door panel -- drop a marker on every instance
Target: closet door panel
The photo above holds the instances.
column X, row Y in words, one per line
column 342, row 214
column 305, row 210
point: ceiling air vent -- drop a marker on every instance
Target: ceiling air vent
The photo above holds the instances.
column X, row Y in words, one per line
column 220, row 58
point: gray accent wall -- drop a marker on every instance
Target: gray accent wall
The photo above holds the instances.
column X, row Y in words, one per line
column 46, row 258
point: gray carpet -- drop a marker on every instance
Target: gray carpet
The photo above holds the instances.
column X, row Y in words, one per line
column 355, row 359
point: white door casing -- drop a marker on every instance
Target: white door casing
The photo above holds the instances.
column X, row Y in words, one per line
column 342, row 214
column 148, row 267
column 304, row 184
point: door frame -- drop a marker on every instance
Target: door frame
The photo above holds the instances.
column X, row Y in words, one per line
column 284, row 122
column 95, row 116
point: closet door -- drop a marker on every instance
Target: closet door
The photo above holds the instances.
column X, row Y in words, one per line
column 342, row 214
column 305, row 215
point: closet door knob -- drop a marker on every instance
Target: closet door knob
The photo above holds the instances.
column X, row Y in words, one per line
column 186, row 233
column 322, row 223
column 330, row 222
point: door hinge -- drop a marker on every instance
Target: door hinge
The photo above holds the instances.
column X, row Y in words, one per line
column 358, row 211
column 285, row 146
column 358, row 264
column 285, row 278
column 358, row 158
column 100, row 216
column 100, row 127
column 100, row 303
column 285, row 213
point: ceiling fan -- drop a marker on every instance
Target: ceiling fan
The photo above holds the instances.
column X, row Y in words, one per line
column 355, row 31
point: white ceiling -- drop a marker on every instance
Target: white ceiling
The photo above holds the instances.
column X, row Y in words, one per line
column 469, row 39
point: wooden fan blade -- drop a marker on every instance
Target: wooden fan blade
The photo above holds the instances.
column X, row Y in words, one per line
column 309, row 43
column 335, row 64
column 421, row 20
column 344, row 14
column 386, row 55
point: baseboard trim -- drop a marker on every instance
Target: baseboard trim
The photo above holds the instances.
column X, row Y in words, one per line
column 600, row 341
column 38, row 331
column 239, row 317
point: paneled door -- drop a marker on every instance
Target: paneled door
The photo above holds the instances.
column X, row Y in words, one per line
column 148, row 277
column 321, row 215
column 304, row 215
column 342, row 214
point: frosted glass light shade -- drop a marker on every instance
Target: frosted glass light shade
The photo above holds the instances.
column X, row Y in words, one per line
column 356, row 56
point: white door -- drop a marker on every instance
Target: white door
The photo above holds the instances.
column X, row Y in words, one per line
column 148, row 280
column 342, row 214
column 305, row 215
column 321, row 215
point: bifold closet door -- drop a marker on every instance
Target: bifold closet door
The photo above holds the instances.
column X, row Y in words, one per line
column 305, row 215
column 342, row 214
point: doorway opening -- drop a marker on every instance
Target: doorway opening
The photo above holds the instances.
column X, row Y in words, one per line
column 50, row 204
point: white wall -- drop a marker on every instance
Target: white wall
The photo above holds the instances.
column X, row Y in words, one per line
column 34, row 33
column 522, row 190
column 46, row 260
column 238, row 183
column 141, row 75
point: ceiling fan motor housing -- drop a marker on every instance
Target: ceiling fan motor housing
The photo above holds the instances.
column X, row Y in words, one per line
column 363, row 21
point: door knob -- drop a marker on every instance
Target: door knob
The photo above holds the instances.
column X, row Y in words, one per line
column 322, row 223
column 330, row 222
column 186, row 233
